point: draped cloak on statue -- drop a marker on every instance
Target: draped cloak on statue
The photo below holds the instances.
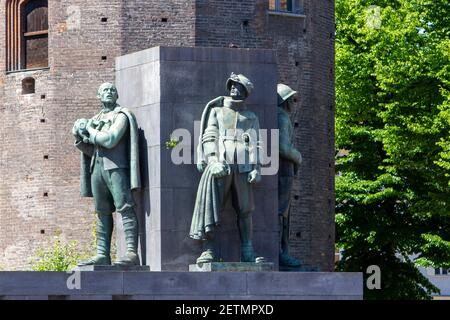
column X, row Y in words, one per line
column 133, row 157
column 207, row 206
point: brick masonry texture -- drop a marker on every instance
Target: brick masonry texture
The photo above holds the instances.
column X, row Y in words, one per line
column 40, row 197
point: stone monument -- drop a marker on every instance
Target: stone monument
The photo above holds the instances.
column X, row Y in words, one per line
column 167, row 89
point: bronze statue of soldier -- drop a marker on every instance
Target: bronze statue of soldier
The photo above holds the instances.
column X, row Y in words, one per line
column 109, row 172
column 290, row 159
column 228, row 157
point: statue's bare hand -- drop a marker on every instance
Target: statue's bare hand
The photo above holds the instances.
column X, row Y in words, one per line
column 201, row 166
column 299, row 159
column 254, row 177
column 79, row 130
column 76, row 128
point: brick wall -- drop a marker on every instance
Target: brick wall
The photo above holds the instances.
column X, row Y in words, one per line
column 40, row 197
column 322, row 104
column 84, row 38
column 146, row 24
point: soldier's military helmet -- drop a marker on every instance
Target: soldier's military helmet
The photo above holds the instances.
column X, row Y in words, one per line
column 239, row 78
column 284, row 93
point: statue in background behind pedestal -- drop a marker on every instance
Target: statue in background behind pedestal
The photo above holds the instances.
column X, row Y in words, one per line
column 109, row 173
column 228, row 157
column 290, row 159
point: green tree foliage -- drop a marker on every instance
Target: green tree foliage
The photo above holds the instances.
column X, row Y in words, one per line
column 393, row 141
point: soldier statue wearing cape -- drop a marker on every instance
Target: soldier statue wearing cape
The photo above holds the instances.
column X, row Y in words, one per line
column 109, row 173
column 228, row 157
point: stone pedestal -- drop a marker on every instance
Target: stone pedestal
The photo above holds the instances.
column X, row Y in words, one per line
column 231, row 267
column 167, row 88
column 114, row 285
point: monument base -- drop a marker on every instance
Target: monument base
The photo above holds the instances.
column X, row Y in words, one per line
column 231, row 267
column 112, row 268
column 120, row 285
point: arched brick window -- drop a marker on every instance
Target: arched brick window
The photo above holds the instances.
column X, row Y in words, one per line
column 27, row 34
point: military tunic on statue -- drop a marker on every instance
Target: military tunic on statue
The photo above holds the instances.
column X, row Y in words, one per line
column 232, row 135
column 110, row 173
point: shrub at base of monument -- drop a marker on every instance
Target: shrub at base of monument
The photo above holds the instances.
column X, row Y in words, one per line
column 61, row 256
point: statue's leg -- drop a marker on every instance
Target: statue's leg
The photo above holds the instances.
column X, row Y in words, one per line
column 104, row 223
column 243, row 203
column 285, row 235
column 284, row 231
column 103, row 233
column 208, row 254
column 284, row 196
column 285, row 258
column 105, row 227
column 245, row 224
column 130, row 228
column 119, row 185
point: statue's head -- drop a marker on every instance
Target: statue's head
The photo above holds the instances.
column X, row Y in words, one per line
column 285, row 95
column 239, row 86
column 107, row 93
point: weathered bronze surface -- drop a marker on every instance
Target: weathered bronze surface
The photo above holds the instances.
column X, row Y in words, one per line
column 229, row 160
column 109, row 172
column 290, row 159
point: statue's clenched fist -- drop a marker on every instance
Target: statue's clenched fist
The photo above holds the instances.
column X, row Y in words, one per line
column 219, row 170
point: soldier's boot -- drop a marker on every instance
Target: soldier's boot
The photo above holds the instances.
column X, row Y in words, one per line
column 130, row 228
column 245, row 224
column 285, row 260
column 104, row 231
column 207, row 255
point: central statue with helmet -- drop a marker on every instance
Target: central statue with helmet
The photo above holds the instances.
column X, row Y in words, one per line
column 229, row 160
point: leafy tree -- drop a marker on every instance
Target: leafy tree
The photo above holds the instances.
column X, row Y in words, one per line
column 393, row 141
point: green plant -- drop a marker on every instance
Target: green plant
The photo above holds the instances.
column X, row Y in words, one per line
column 61, row 256
column 172, row 143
